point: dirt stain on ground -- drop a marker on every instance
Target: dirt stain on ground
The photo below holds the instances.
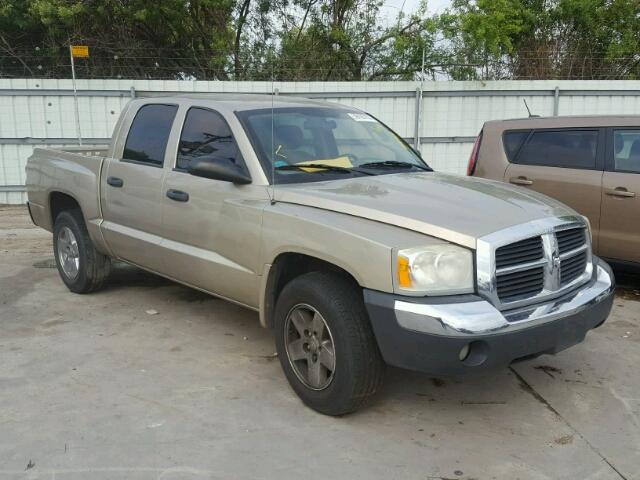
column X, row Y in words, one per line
column 564, row 440
column 47, row 263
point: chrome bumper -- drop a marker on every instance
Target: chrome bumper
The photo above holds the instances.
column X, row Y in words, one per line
column 479, row 317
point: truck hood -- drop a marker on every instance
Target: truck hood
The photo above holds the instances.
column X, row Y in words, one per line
column 454, row 208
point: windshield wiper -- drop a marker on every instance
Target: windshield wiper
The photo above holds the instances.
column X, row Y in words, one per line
column 394, row 164
column 321, row 167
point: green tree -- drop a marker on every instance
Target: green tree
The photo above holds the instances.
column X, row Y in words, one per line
column 136, row 38
column 345, row 40
column 541, row 39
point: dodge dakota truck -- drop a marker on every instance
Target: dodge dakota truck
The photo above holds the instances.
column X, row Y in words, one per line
column 328, row 224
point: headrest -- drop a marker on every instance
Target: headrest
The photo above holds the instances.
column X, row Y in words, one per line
column 634, row 153
column 288, row 136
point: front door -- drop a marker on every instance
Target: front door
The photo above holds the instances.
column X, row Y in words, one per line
column 132, row 188
column 620, row 224
column 211, row 228
column 564, row 164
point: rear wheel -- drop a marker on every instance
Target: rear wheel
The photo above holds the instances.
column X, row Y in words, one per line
column 82, row 268
column 325, row 343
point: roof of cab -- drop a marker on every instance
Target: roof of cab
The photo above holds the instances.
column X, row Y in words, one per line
column 245, row 101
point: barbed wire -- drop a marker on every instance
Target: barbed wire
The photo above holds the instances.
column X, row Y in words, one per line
column 138, row 62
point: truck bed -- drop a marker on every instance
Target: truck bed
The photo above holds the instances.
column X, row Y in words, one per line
column 74, row 171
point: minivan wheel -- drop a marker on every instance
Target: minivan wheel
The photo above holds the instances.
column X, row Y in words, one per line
column 82, row 268
column 325, row 343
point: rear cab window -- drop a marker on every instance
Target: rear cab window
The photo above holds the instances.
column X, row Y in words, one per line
column 563, row 148
column 148, row 135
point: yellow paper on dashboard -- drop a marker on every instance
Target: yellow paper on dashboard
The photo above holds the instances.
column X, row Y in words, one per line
column 333, row 162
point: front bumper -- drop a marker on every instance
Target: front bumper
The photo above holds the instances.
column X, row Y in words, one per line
column 427, row 334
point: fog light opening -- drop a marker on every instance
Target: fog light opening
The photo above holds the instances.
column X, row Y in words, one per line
column 474, row 354
column 464, row 352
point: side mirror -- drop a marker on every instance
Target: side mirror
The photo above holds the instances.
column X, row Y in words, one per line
column 218, row 168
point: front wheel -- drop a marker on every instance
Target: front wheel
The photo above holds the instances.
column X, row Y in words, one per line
column 82, row 268
column 325, row 343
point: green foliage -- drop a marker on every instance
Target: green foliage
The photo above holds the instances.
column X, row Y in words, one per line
column 321, row 39
column 544, row 38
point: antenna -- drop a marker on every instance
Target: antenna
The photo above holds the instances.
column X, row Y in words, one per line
column 527, row 107
column 271, row 154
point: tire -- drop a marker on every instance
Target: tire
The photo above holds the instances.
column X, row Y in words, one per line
column 74, row 252
column 358, row 365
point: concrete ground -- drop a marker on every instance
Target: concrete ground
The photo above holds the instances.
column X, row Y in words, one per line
column 94, row 387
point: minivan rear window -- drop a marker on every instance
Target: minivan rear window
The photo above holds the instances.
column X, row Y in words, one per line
column 513, row 141
column 627, row 150
column 560, row 148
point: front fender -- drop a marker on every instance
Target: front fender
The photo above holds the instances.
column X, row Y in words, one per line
column 361, row 247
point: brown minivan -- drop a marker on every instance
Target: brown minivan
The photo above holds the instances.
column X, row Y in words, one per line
column 591, row 163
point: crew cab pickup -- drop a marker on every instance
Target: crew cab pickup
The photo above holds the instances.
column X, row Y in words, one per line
column 328, row 224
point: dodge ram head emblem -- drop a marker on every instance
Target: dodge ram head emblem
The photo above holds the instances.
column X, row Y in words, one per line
column 554, row 270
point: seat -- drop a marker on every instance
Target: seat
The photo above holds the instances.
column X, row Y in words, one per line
column 632, row 162
column 288, row 143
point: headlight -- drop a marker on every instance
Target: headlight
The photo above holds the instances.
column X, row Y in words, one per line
column 435, row 270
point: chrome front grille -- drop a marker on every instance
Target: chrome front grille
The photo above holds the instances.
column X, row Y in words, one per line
column 521, row 284
column 570, row 239
column 527, row 250
column 572, row 267
column 535, row 261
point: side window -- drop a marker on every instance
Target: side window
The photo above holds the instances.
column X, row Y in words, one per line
column 513, row 140
column 560, row 148
column 149, row 133
column 626, row 144
column 205, row 133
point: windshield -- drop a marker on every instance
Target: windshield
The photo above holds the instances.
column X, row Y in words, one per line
column 334, row 143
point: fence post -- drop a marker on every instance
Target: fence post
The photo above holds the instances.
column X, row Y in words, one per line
column 75, row 95
column 556, row 101
column 416, row 127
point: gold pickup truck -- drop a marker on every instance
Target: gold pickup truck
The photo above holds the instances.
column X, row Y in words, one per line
column 328, row 224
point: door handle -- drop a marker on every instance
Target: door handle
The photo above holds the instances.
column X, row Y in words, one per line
column 619, row 192
column 115, row 182
column 520, row 181
column 178, row 195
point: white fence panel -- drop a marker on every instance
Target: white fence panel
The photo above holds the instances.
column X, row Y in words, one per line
column 41, row 112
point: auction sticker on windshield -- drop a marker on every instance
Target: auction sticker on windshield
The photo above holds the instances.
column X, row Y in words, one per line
column 361, row 117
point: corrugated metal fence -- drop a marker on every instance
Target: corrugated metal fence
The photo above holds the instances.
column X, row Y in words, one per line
column 441, row 117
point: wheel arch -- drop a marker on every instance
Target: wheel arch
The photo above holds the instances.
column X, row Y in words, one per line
column 60, row 202
column 289, row 265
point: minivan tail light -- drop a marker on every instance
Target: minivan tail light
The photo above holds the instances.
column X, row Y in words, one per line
column 473, row 158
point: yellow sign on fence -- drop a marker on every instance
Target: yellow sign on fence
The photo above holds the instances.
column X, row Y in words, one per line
column 79, row 51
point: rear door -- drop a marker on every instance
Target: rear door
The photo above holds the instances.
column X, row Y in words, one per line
column 132, row 187
column 620, row 223
column 566, row 164
column 211, row 228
